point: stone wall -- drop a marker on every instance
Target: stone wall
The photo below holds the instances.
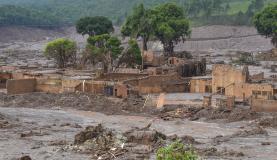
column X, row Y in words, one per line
column 260, row 105
column 21, row 86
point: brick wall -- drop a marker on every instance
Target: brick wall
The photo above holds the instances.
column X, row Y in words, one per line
column 200, row 85
column 246, row 90
column 121, row 90
column 17, row 75
column 260, row 105
column 225, row 75
column 49, row 85
column 69, row 85
column 21, row 86
column 160, row 83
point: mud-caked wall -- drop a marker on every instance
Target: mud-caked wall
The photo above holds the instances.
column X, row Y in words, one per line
column 69, row 85
column 49, row 85
column 121, row 90
column 224, row 76
column 162, row 83
column 260, row 105
column 21, row 86
column 246, row 90
column 201, row 85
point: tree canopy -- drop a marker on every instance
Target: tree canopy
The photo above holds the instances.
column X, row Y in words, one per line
column 105, row 48
column 138, row 24
column 62, row 50
column 15, row 15
column 266, row 23
column 132, row 55
column 170, row 25
column 94, row 26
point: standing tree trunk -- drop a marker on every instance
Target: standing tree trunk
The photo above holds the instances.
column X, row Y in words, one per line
column 144, row 48
column 168, row 48
column 144, row 42
column 107, row 61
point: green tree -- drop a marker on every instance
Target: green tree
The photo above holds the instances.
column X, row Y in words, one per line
column 176, row 151
column 104, row 48
column 170, row 25
column 62, row 50
column 138, row 24
column 132, row 55
column 266, row 22
column 94, row 26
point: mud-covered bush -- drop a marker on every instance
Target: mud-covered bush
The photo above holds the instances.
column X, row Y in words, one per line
column 176, row 151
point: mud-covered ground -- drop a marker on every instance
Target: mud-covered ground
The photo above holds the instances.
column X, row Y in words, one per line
column 62, row 126
column 44, row 126
column 22, row 46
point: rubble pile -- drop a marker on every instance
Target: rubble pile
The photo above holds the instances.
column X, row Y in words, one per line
column 195, row 113
column 243, row 133
column 4, row 123
column 268, row 122
column 102, row 143
column 234, row 115
column 180, row 111
column 250, row 132
column 184, row 139
column 135, row 104
column 25, row 158
column 142, row 142
column 213, row 152
column 81, row 101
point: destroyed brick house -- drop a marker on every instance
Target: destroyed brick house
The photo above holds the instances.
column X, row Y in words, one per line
column 175, row 76
column 237, row 82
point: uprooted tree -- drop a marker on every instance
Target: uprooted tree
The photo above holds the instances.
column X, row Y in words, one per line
column 266, row 23
column 104, row 48
column 63, row 51
column 94, row 26
column 170, row 25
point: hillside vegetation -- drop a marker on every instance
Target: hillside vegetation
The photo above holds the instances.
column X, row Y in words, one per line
column 53, row 12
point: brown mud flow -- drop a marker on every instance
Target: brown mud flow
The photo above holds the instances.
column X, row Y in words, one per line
column 58, row 132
